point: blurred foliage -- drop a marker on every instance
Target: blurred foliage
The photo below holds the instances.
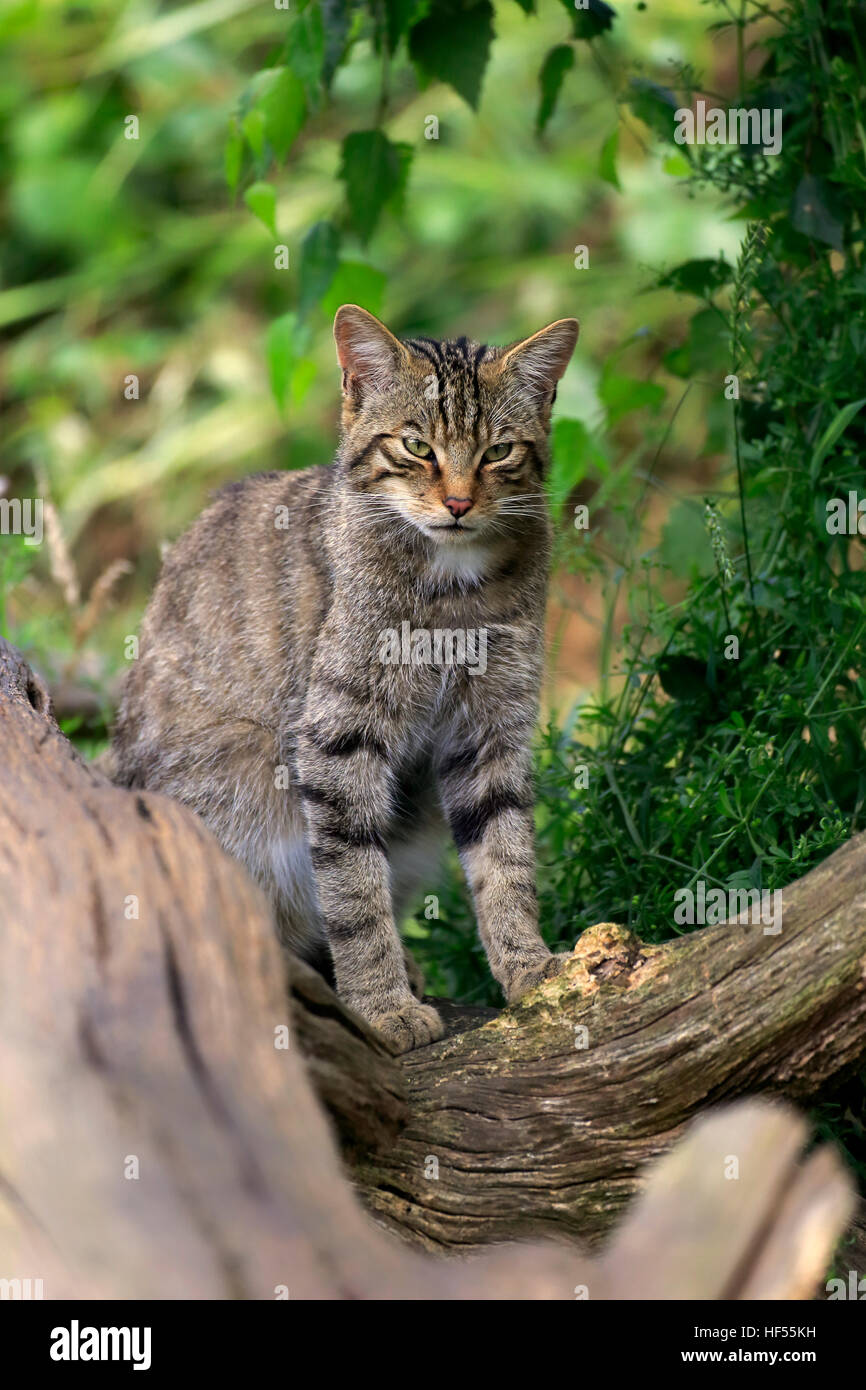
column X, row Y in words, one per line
column 746, row 772
column 281, row 167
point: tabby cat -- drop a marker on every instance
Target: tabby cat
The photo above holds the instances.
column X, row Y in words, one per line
column 339, row 665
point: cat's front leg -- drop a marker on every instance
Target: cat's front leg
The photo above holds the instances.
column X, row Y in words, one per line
column 347, row 785
column 485, row 778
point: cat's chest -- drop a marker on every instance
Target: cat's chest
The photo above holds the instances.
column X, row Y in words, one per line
column 440, row 641
column 464, row 569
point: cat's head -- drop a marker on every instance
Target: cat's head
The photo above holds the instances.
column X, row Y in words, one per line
column 449, row 438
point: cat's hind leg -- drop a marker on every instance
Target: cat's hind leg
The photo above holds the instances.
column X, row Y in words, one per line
column 415, row 973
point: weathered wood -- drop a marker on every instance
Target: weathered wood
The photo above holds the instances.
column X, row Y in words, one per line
column 352, row 1068
column 670, row 1029
column 154, row 1142
column 147, row 1043
column 735, row 1211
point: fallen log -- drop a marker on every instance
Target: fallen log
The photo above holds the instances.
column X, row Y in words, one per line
column 158, row 1138
column 595, row 1073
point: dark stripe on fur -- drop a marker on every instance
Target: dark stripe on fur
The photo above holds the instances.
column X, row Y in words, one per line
column 321, row 857
column 343, row 687
column 532, row 455
column 348, row 930
column 432, row 358
column 431, row 345
column 352, row 741
column 476, row 389
column 460, row 761
column 319, row 797
column 468, row 823
column 360, row 457
column 359, row 838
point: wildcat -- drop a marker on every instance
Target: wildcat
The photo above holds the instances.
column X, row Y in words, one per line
column 270, row 697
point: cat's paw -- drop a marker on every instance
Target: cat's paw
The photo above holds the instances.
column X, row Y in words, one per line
column 533, row 975
column 413, row 1025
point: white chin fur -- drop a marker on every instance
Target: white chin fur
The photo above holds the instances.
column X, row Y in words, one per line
column 466, row 561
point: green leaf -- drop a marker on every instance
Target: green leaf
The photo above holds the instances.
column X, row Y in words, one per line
column 607, row 159
column 453, row 43
column 281, row 349
column 233, row 156
column 620, row 395
column 832, row 433
column 553, row 70
column 337, row 16
column 654, row 105
column 416, row 931
column 590, row 18
column 319, row 258
column 305, row 49
column 404, row 164
column 677, row 165
column 705, row 351
column 685, row 545
column 699, row 277
column 304, row 374
column 55, row 201
column 373, row 171
column 398, row 17
column 355, row 283
column 261, row 200
column 284, row 107
column 812, row 214
column 253, row 127
column 575, row 452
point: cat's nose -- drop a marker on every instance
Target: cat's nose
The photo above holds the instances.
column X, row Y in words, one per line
column 458, row 506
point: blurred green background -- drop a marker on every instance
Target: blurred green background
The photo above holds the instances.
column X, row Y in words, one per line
column 133, row 256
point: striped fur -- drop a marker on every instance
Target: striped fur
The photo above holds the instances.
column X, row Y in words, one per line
column 261, row 699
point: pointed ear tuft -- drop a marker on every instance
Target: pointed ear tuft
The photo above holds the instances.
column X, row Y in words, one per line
column 538, row 362
column 367, row 352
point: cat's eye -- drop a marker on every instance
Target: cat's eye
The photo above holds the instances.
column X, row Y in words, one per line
column 419, row 447
column 496, row 452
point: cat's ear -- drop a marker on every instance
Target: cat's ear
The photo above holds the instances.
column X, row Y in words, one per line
column 538, row 362
column 368, row 353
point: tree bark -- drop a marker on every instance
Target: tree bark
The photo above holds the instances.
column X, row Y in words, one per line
column 669, row 1030
column 158, row 1140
